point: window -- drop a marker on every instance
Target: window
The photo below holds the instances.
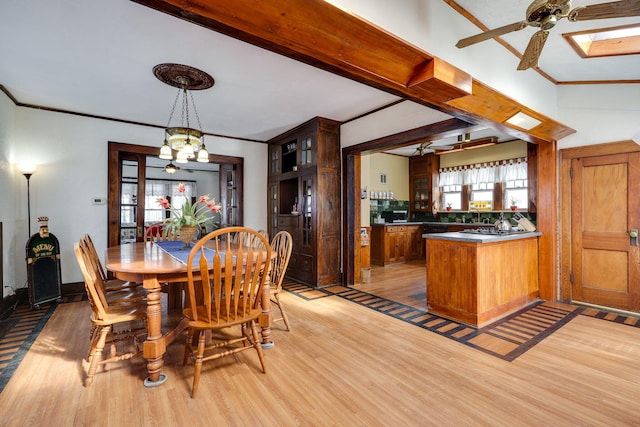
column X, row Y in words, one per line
column 452, row 196
column 516, row 193
column 155, row 188
column 482, row 192
column 475, row 186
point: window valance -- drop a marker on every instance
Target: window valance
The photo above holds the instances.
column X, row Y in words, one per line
column 491, row 172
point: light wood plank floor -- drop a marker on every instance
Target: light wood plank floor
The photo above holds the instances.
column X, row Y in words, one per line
column 341, row 365
column 398, row 282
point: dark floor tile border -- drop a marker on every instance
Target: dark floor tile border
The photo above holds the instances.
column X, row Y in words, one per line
column 21, row 351
column 541, row 320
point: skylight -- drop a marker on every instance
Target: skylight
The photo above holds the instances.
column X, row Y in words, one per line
column 612, row 41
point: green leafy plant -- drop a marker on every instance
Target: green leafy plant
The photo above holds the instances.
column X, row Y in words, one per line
column 190, row 214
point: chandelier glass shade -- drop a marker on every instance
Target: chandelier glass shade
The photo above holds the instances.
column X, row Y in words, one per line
column 182, row 142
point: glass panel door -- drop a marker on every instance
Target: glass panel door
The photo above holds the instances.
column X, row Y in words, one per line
column 229, row 195
column 128, row 209
column 306, row 157
column 307, row 211
column 421, row 194
column 231, row 206
column 273, row 208
column 130, row 223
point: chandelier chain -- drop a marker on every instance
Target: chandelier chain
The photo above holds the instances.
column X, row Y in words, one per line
column 173, row 109
column 185, row 108
column 195, row 111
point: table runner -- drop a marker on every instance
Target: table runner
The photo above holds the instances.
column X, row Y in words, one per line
column 174, row 248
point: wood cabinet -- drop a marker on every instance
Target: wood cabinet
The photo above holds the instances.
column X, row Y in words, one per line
column 304, row 199
column 393, row 244
column 414, row 242
column 421, row 181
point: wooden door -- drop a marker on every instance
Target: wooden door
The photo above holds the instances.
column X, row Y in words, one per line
column 604, row 211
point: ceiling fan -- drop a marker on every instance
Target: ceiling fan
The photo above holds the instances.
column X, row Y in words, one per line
column 428, row 147
column 544, row 14
column 170, row 168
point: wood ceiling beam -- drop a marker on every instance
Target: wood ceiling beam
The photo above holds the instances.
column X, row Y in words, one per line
column 329, row 38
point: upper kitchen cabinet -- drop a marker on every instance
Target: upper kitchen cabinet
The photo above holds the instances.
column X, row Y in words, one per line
column 299, row 150
column 304, row 198
column 422, row 170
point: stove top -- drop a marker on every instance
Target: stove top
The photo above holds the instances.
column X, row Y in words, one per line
column 492, row 231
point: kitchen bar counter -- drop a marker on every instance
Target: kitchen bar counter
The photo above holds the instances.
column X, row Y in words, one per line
column 481, row 238
column 435, row 223
column 477, row 279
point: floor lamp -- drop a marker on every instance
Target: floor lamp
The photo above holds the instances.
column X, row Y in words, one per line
column 27, row 171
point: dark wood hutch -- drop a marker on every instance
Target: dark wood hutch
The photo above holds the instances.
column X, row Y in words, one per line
column 422, row 183
column 304, row 198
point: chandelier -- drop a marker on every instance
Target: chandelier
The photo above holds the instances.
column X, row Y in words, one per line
column 185, row 141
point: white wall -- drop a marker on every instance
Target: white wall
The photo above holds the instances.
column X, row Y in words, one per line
column 600, row 113
column 71, row 155
column 8, row 180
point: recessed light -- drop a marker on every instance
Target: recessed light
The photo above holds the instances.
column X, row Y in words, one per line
column 523, row 121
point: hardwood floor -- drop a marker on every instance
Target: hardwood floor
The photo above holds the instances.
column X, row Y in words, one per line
column 402, row 283
column 342, row 364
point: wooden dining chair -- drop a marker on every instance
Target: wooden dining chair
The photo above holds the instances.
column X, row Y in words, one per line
column 240, row 236
column 159, row 232
column 282, row 244
column 114, row 289
column 224, row 289
column 110, row 324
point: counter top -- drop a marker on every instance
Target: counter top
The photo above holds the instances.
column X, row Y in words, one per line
column 481, row 238
column 443, row 224
column 397, row 223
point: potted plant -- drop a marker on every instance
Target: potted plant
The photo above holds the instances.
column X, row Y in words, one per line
column 448, row 206
column 514, row 204
column 186, row 219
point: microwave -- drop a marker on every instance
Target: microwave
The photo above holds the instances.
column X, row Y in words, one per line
column 395, row 216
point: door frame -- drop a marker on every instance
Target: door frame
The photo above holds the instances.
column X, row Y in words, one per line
column 543, row 180
column 566, row 156
column 118, row 150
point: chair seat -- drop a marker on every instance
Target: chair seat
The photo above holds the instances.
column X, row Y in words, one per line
column 225, row 319
column 126, row 313
column 119, row 285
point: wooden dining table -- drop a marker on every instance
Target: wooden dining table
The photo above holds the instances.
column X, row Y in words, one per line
column 147, row 263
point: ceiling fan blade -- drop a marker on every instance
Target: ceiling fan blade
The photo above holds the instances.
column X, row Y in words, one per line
column 614, row 9
column 442, row 147
column 534, row 48
column 496, row 32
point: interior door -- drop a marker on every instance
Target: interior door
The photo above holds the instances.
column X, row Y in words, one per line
column 604, row 215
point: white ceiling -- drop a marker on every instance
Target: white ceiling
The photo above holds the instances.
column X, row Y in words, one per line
column 96, row 57
column 558, row 59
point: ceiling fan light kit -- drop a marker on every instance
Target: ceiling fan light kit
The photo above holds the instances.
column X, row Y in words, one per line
column 183, row 139
column 544, row 14
column 170, row 168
